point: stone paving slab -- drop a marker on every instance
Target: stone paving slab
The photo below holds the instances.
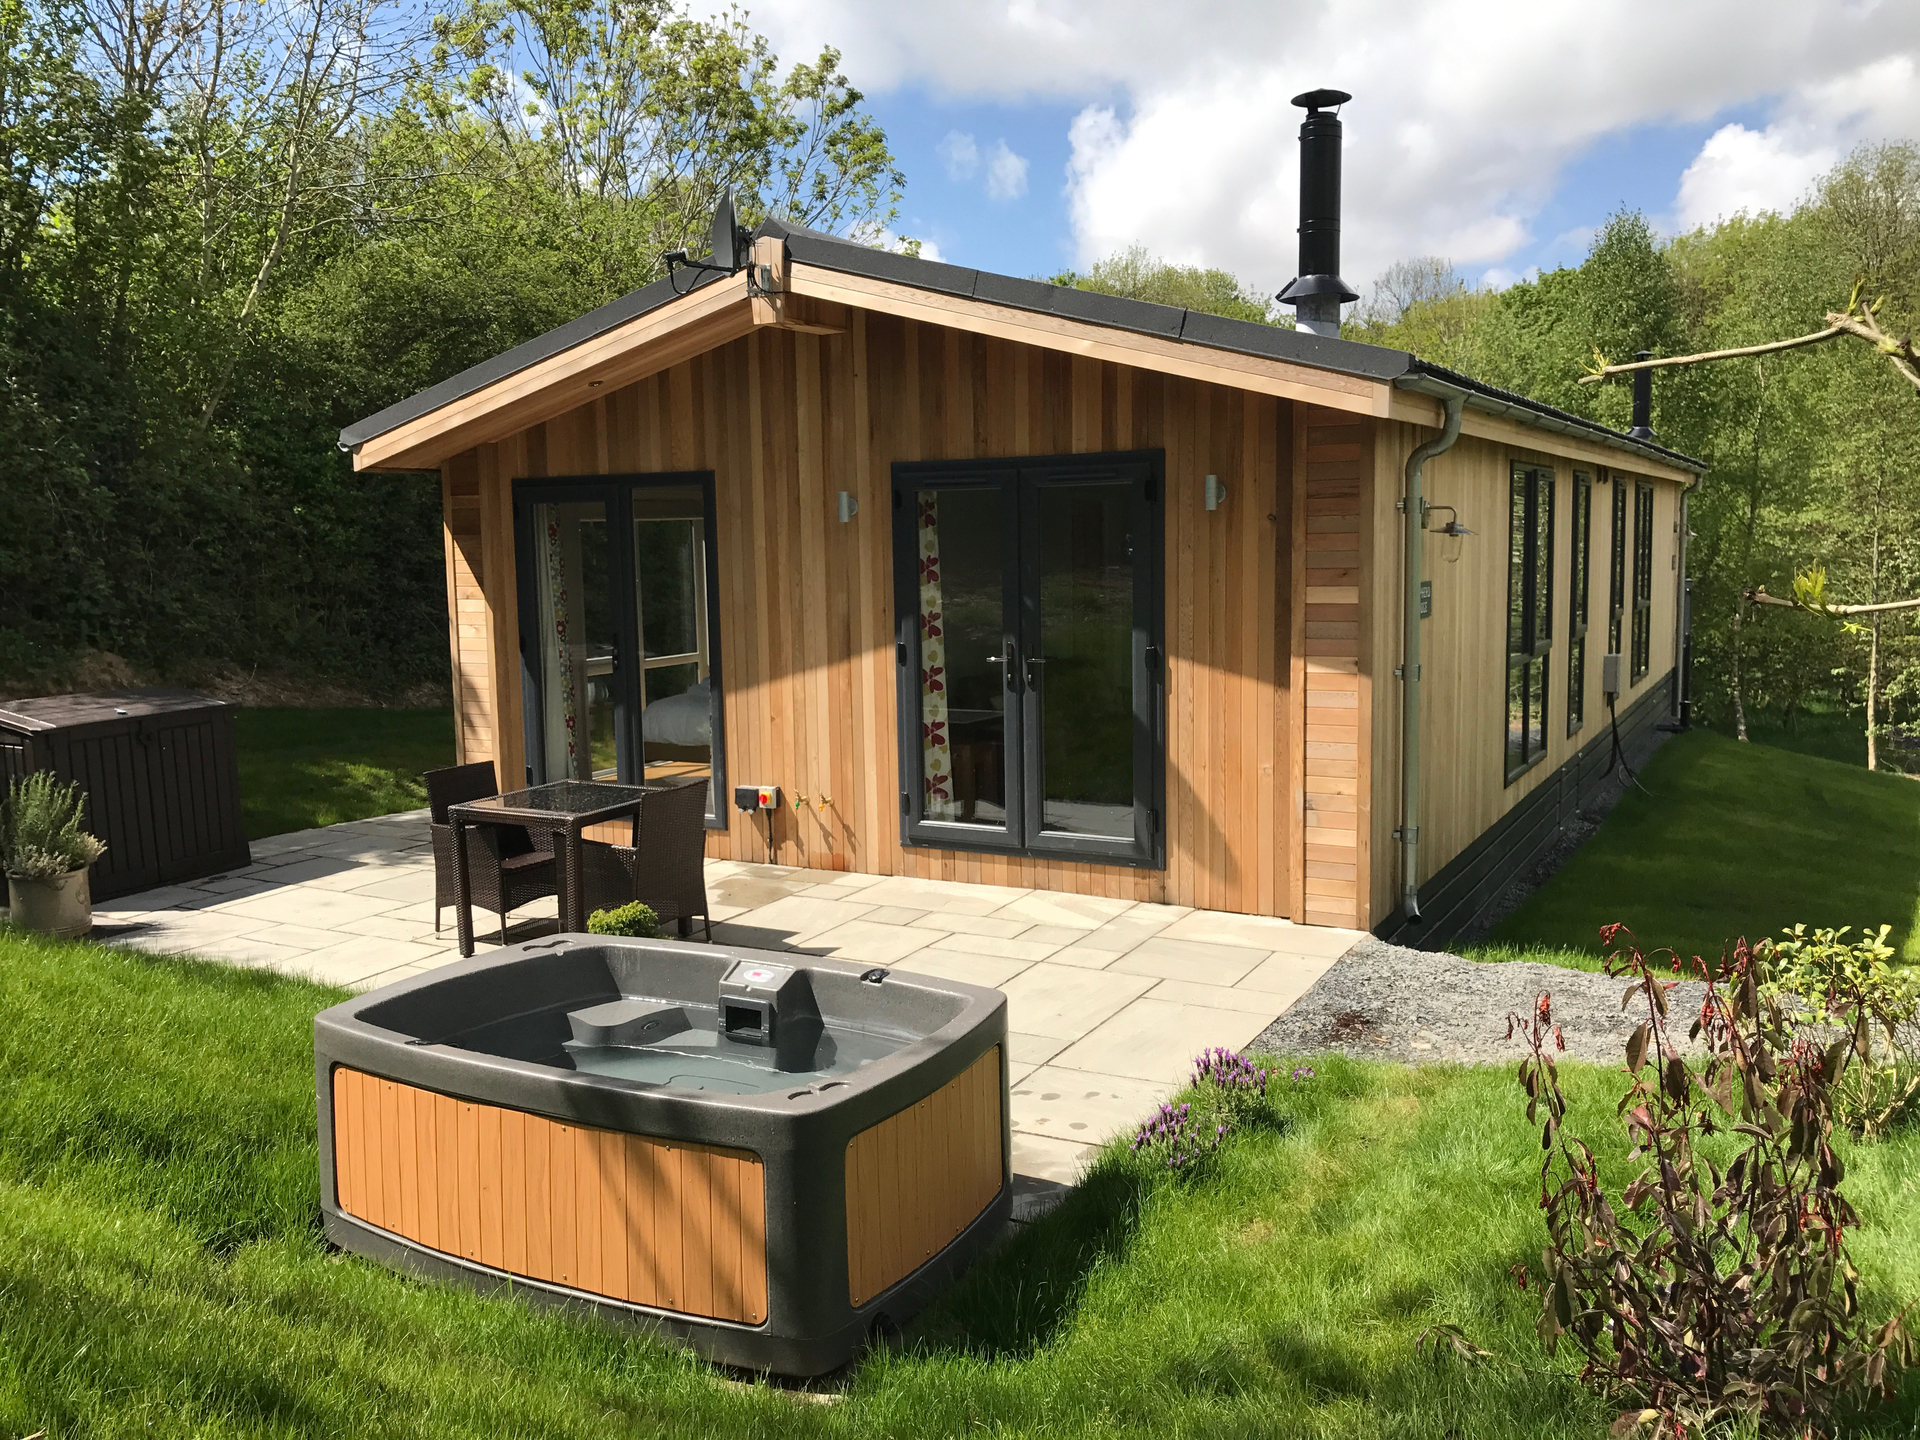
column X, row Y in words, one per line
column 1108, row 1000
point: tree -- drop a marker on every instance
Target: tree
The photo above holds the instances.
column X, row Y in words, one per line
column 1138, row 275
column 1422, row 305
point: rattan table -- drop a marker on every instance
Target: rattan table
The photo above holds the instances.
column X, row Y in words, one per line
column 560, row 810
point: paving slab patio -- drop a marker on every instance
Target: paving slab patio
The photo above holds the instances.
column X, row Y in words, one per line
column 1108, row 1000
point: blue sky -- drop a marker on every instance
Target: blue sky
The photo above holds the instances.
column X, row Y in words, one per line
column 1636, row 167
column 1495, row 133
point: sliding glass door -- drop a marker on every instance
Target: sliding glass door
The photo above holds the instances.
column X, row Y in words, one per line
column 1031, row 703
column 619, row 650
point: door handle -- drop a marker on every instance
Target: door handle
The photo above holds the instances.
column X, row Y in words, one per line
column 1033, row 680
column 1009, row 662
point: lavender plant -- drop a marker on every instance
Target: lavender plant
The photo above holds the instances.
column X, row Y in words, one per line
column 1227, row 1091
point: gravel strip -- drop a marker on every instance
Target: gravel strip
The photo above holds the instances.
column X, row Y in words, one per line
column 1423, row 1007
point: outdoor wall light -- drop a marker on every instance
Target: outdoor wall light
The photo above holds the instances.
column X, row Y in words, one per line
column 1216, row 492
column 849, row 506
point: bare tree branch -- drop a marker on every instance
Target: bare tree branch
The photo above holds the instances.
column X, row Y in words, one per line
column 1857, row 320
column 1761, row 597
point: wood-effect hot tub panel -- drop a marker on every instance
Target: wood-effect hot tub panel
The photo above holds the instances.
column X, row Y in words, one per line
column 675, row 1226
column 921, row 1176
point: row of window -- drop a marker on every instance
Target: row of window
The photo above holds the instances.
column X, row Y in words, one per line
column 1530, row 553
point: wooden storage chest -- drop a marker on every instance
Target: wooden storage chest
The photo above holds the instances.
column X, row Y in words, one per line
column 160, row 772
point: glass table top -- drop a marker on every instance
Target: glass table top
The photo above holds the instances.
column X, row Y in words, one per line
column 563, row 797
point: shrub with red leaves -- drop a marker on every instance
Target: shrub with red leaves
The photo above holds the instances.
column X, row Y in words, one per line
column 1700, row 1294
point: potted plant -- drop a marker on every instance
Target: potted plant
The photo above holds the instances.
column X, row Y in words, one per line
column 46, row 855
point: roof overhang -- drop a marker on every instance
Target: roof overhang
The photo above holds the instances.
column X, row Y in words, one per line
column 804, row 281
column 1578, row 439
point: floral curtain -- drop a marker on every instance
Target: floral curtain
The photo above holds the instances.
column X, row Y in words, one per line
column 936, row 754
column 564, row 671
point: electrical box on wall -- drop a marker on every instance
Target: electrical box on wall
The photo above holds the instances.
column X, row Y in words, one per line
column 756, row 797
column 1426, row 598
column 1610, row 674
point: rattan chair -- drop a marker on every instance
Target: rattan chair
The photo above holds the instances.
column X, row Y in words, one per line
column 666, row 867
column 505, row 867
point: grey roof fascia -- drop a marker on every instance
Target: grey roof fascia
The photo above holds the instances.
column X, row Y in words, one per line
column 614, row 313
column 1436, row 380
column 1141, row 317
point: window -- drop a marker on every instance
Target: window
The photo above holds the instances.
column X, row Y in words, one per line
column 1529, row 615
column 1577, row 602
column 1642, row 580
column 1030, row 675
column 620, row 662
column 1617, row 571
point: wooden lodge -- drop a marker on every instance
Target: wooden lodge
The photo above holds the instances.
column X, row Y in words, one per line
column 1019, row 585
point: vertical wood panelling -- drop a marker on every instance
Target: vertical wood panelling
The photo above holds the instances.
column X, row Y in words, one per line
column 1463, row 786
column 920, row 1177
column 679, row 1227
column 1337, row 458
column 467, row 581
column 788, row 421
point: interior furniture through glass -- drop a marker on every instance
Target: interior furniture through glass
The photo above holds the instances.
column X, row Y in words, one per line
column 618, row 642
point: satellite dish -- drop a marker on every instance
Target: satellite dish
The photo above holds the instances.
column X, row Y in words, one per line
column 725, row 242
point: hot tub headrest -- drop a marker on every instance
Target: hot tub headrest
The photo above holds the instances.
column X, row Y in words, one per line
column 627, row 1022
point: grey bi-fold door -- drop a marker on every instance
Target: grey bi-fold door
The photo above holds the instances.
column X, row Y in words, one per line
column 1029, row 654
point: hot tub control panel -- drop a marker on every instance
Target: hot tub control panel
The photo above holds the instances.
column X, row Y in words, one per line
column 758, row 996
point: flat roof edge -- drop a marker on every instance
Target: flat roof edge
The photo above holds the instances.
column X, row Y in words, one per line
column 1430, row 379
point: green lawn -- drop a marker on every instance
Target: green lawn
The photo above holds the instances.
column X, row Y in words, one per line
column 1730, row 840
column 302, row 768
column 160, row 1273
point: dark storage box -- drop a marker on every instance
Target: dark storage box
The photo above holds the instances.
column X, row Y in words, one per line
column 161, row 775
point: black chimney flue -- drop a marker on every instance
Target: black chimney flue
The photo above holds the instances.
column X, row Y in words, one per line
column 1642, row 399
column 1318, row 292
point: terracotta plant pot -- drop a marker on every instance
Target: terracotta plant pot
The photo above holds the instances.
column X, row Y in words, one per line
column 62, row 907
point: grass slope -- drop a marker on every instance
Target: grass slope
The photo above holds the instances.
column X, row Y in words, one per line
column 1732, row 840
column 160, row 1274
column 302, row 768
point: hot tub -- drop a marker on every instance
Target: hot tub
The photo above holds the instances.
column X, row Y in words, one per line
column 768, row 1156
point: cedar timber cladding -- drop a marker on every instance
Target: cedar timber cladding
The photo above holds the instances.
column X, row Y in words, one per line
column 670, row 1225
column 921, row 1176
column 1335, row 450
column 785, row 420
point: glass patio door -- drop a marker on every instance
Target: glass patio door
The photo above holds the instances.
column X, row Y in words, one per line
column 581, row 725
column 1031, row 707
column 619, row 645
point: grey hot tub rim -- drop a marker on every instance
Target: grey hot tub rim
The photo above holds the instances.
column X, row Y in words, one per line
column 800, row 1134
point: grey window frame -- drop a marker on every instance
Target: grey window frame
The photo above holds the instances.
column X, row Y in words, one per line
column 1642, row 637
column 1530, row 640
column 616, row 493
column 1580, row 583
column 1617, row 567
column 1017, row 477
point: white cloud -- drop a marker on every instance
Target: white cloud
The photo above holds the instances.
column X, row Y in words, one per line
column 1006, row 174
column 1742, row 169
column 1747, row 170
column 960, row 155
column 1465, row 111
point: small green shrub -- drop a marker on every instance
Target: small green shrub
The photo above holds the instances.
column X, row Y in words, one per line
column 1849, row 988
column 40, row 834
column 636, row 920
